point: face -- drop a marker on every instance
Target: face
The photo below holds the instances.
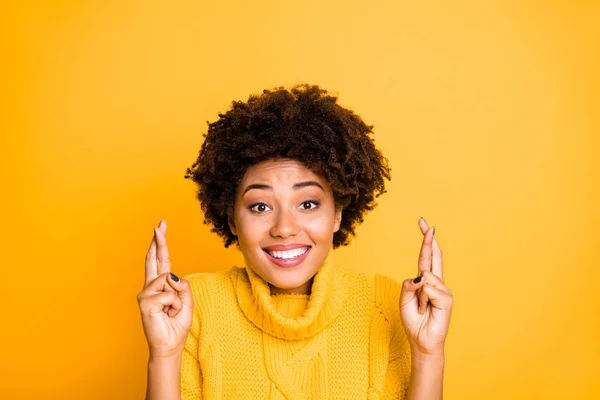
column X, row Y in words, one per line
column 284, row 217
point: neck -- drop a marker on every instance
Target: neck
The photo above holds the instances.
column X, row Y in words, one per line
column 328, row 289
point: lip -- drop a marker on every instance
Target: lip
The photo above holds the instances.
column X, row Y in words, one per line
column 286, row 247
column 289, row 263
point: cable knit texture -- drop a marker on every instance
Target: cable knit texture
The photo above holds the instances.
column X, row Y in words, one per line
column 343, row 341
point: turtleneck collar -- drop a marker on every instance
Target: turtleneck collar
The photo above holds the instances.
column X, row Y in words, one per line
column 321, row 306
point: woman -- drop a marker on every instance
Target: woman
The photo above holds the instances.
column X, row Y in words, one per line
column 286, row 177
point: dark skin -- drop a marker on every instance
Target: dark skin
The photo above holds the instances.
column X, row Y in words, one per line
column 166, row 305
column 425, row 308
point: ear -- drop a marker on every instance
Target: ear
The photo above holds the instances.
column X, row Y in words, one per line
column 337, row 219
column 231, row 223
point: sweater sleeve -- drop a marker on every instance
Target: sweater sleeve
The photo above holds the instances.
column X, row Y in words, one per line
column 191, row 374
column 397, row 378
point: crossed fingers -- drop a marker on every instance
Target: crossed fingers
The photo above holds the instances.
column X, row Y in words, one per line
column 158, row 260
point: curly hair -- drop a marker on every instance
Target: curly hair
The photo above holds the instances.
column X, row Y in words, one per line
column 303, row 123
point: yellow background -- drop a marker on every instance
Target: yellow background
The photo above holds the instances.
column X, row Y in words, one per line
column 488, row 113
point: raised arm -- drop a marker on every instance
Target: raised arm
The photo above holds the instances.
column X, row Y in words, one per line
column 425, row 308
column 166, row 305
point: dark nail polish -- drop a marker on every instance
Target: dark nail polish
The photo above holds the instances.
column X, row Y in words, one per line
column 417, row 279
column 434, row 231
column 174, row 277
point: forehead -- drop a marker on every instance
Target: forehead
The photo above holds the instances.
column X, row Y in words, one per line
column 284, row 170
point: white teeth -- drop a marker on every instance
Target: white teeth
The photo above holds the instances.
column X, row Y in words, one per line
column 288, row 254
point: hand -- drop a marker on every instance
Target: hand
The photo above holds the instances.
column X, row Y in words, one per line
column 425, row 307
column 166, row 304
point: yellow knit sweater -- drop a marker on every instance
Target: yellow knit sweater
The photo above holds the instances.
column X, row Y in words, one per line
column 343, row 341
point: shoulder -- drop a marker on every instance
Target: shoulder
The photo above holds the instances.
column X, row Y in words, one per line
column 387, row 296
column 386, row 289
column 201, row 282
column 387, row 301
column 382, row 290
column 206, row 286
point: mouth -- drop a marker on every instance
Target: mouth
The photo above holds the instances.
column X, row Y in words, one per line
column 288, row 258
column 287, row 255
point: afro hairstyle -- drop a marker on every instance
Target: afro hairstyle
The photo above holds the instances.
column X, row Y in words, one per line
column 303, row 123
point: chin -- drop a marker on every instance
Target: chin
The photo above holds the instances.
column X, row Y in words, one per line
column 289, row 282
column 292, row 282
column 285, row 278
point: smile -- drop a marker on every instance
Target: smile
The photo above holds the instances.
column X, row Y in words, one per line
column 287, row 255
column 288, row 258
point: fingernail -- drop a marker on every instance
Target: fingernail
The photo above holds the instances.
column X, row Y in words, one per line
column 434, row 231
column 418, row 279
column 174, row 277
column 423, row 219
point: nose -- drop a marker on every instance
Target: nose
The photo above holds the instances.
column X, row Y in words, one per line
column 284, row 224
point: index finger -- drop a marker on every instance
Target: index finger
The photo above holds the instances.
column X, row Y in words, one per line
column 151, row 257
column 426, row 254
column 436, row 264
column 151, row 269
column 437, row 267
column 162, row 252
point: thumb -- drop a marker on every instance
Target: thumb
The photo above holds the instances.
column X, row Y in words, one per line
column 183, row 289
column 409, row 290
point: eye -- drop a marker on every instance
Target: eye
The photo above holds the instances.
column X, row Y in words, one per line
column 259, row 207
column 309, row 204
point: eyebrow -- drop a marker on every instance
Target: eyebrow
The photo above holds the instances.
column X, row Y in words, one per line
column 296, row 186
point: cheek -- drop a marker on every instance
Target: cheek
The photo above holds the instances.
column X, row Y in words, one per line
column 320, row 228
column 252, row 229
